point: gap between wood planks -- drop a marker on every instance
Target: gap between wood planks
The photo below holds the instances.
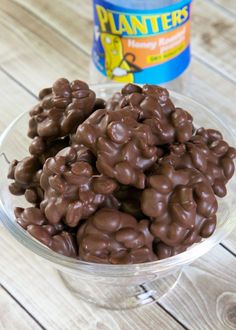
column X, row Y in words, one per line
column 22, row 307
column 50, row 26
column 201, row 59
column 213, row 68
column 164, row 309
column 227, row 249
column 223, row 8
column 18, row 82
column 44, row 22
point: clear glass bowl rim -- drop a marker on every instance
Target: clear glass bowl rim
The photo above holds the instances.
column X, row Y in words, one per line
column 61, row 261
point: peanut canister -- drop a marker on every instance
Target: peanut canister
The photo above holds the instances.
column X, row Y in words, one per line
column 141, row 41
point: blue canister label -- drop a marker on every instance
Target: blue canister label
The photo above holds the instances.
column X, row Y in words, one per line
column 141, row 46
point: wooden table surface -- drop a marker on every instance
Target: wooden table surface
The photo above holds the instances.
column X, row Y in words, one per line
column 42, row 40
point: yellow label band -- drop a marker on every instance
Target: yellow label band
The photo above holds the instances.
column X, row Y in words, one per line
column 153, row 59
column 119, row 23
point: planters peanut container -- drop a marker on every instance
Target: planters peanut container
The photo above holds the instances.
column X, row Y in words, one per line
column 141, row 41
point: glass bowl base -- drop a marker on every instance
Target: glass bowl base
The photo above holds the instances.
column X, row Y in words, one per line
column 119, row 297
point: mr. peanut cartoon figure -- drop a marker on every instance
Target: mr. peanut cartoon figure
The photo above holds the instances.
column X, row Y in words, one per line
column 119, row 66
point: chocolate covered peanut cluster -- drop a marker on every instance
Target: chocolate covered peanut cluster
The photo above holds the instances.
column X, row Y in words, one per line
column 73, row 190
column 181, row 205
column 53, row 236
column 61, row 109
column 26, row 172
column 207, row 152
column 111, row 236
column 154, row 107
column 123, row 147
column 119, row 181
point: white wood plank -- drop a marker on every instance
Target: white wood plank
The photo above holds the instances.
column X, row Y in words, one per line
column 14, row 100
column 12, row 316
column 228, row 5
column 32, row 52
column 214, row 37
column 230, row 242
column 205, row 297
column 72, row 19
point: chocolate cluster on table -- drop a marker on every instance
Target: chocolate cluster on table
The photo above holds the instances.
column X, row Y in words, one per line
column 119, row 181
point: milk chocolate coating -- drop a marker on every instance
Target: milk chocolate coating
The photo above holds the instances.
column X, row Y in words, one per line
column 62, row 242
column 181, row 205
column 53, row 236
column 113, row 103
column 26, row 173
column 61, row 109
column 164, row 251
column 210, row 154
column 99, row 104
column 111, row 236
column 124, row 148
column 29, row 216
column 119, row 181
column 129, row 198
column 72, row 188
column 167, row 123
column 45, row 148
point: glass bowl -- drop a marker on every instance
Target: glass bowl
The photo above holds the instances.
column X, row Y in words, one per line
column 114, row 286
